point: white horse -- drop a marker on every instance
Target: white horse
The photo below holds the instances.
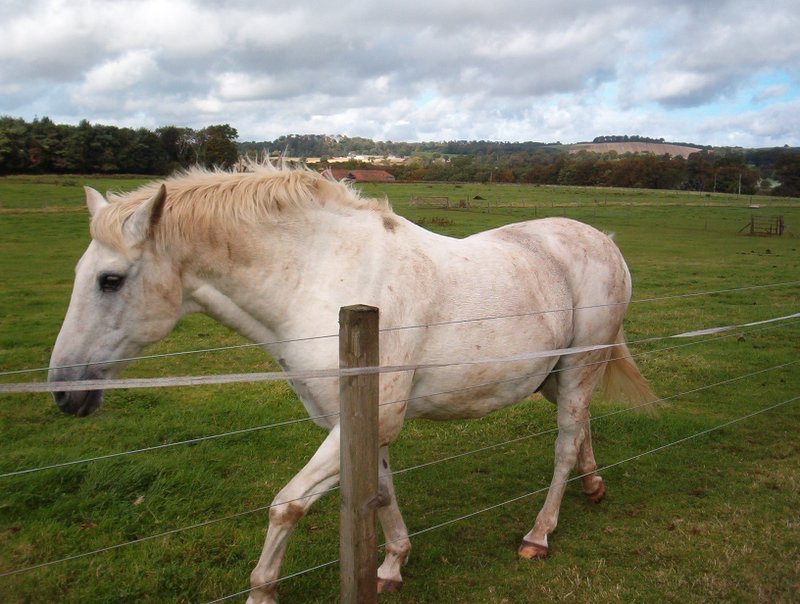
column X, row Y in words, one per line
column 275, row 253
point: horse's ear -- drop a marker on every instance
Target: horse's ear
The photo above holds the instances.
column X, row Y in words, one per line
column 94, row 201
column 141, row 223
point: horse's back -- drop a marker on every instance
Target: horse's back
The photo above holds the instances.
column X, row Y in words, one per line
column 585, row 257
column 539, row 269
column 592, row 266
column 517, row 288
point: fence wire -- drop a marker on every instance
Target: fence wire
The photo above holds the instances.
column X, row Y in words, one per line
column 400, row 328
column 238, row 378
column 395, row 472
column 307, row 418
column 490, row 508
column 708, row 331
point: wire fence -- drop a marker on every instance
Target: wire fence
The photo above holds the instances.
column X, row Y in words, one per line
column 314, row 338
column 464, row 517
column 309, row 418
column 449, row 458
column 274, row 376
column 725, row 331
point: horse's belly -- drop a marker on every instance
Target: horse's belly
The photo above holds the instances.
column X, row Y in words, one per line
column 469, row 392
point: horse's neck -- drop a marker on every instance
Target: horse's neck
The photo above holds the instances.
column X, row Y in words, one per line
column 284, row 280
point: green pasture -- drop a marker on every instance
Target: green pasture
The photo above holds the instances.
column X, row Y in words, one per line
column 714, row 518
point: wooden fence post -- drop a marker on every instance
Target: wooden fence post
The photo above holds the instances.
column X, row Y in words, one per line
column 358, row 424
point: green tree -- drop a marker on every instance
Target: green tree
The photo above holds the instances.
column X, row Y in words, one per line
column 699, row 172
column 787, row 171
column 14, row 136
column 220, row 146
column 142, row 153
column 176, row 144
column 44, row 145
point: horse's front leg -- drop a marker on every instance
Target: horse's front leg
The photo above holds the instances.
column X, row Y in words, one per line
column 308, row 485
column 398, row 545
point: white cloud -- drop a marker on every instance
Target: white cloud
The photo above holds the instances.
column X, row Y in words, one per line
column 773, row 126
column 120, row 74
column 414, row 70
column 683, row 88
column 776, row 91
column 241, row 86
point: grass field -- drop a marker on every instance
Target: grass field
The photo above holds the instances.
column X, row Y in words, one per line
column 714, row 518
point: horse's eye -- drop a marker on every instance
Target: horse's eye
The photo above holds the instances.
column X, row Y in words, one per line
column 109, row 282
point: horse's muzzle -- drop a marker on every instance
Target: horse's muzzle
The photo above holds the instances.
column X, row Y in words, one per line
column 79, row 403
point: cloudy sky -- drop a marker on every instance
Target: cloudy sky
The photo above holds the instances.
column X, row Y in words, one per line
column 721, row 72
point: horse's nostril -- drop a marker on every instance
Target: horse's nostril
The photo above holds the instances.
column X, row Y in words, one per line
column 61, row 400
column 80, row 404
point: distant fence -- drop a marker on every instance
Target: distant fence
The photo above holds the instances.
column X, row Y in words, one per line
column 430, row 202
column 438, row 203
column 764, row 226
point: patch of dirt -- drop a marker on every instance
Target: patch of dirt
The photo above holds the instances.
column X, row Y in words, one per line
column 654, row 148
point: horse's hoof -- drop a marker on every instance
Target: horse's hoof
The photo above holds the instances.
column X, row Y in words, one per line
column 389, row 586
column 598, row 495
column 532, row 551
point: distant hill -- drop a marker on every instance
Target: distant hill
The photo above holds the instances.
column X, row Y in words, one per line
column 635, row 147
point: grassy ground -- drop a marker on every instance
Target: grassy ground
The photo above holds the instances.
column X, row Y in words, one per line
column 713, row 518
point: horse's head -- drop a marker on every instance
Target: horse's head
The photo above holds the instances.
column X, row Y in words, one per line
column 126, row 295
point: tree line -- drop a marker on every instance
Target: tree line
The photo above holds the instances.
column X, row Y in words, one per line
column 721, row 171
column 724, row 170
column 325, row 146
column 42, row 146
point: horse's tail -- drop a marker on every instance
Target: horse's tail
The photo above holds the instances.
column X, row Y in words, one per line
column 622, row 379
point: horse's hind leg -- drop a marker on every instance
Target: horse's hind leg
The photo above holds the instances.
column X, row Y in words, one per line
column 593, row 485
column 572, row 390
column 398, row 545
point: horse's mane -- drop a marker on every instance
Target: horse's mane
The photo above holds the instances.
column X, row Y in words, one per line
column 199, row 200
